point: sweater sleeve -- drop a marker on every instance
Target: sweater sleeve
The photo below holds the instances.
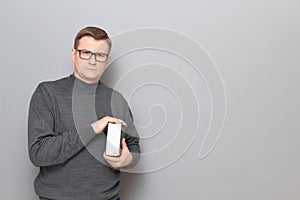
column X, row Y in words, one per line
column 131, row 135
column 132, row 142
column 46, row 146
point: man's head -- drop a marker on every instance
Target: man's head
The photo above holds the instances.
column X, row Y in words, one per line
column 90, row 54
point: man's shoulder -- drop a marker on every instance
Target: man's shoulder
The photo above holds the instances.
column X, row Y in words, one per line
column 58, row 82
column 56, row 85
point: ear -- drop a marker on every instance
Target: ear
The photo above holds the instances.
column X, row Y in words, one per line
column 73, row 54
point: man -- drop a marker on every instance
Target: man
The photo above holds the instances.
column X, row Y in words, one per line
column 66, row 124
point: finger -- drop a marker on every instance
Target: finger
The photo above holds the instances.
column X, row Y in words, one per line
column 111, row 159
column 124, row 145
column 114, row 165
column 122, row 122
column 118, row 121
column 112, row 120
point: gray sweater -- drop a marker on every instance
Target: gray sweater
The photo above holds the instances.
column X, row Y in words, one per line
column 63, row 144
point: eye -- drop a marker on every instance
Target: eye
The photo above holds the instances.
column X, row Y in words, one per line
column 85, row 53
column 102, row 55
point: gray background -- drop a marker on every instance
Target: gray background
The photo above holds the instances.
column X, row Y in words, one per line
column 255, row 45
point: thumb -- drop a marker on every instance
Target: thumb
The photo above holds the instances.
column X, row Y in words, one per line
column 124, row 145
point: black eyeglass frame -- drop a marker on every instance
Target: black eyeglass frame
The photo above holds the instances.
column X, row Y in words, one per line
column 92, row 54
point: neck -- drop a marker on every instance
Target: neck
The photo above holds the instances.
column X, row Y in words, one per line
column 85, row 80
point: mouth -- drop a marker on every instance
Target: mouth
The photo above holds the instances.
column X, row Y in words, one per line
column 92, row 69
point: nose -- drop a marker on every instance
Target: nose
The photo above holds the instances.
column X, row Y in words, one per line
column 92, row 60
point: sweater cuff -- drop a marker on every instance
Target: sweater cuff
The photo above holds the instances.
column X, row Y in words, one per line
column 86, row 134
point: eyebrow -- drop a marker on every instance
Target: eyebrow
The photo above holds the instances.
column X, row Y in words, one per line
column 92, row 51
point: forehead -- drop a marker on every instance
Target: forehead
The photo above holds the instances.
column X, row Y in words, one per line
column 89, row 43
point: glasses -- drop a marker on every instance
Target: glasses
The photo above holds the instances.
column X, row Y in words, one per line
column 86, row 55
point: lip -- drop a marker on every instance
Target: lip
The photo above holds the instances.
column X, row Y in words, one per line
column 92, row 69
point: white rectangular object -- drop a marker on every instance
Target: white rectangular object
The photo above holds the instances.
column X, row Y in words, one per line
column 113, row 139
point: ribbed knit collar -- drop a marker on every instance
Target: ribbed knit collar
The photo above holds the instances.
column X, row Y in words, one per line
column 83, row 87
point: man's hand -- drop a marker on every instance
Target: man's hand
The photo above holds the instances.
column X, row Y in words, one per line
column 122, row 161
column 100, row 125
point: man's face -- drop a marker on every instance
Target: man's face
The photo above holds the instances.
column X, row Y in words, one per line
column 90, row 71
